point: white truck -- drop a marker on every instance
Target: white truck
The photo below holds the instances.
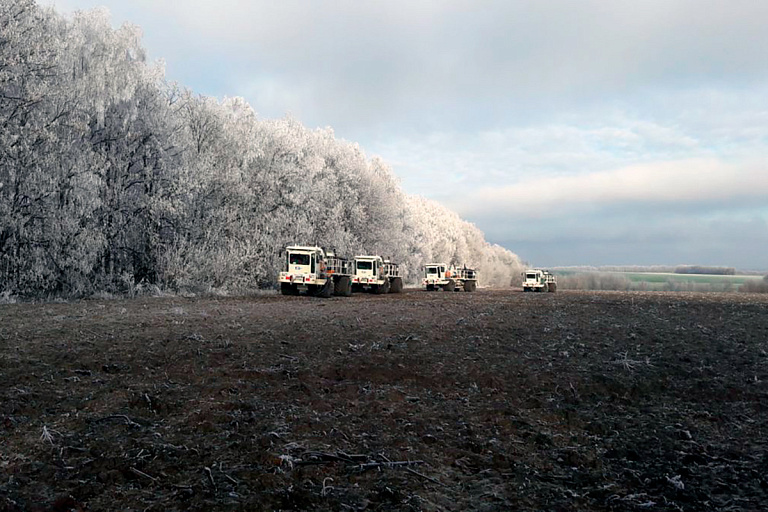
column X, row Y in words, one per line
column 449, row 277
column 315, row 271
column 374, row 273
column 538, row 280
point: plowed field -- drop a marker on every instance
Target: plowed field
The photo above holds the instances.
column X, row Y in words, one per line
column 494, row 400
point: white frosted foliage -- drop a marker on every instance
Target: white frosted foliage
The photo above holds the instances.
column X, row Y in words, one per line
column 112, row 179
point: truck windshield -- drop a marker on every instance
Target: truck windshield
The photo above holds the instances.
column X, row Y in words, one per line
column 431, row 270
column 364, row 265
column 530, row 276
column 298, row 259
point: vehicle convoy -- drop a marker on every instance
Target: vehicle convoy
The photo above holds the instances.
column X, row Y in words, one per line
column 538, row 280
column 315, row 271
column 375, row 274
column 449, row 278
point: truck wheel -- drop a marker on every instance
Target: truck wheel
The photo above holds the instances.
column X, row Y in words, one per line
column 553, row 287
column 449, row 286
column 288, row 289
column 327, row 290
column 470, row 286
column 430, row 287
column 348, row 293
column 343, row 286
column 396, row 285
column 382, row 288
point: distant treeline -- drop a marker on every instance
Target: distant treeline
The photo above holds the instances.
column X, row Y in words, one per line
column 616, row 281
column 661, row 269
column 755, row 286
column 620, row 268
column 698, row 269
column 594, row 281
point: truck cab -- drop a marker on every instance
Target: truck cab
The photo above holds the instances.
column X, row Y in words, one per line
column 537, row 280
column 449, row 278
column 434, row 272
column 374, row 273
column 367, row 269
column 303, row 261
column 315, row 271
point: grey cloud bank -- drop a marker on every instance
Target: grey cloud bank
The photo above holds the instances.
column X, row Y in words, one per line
column 572, row 133
column 683, row 182
column 641, row 235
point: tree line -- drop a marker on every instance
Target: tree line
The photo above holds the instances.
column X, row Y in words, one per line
column 700, row 269
column 113, row 177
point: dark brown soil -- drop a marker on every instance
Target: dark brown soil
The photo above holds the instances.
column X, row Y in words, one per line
column 500, row 400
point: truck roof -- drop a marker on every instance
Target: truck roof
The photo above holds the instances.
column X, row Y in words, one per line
column 304, row 248
column 368, row 257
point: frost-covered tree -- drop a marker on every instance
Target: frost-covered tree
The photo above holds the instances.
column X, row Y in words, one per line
column 42, row 186
column 440, row 235
column 111, row 178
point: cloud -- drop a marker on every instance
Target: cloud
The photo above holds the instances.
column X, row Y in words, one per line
column 502, row 157
column 675, row 182
column 640, row 236
column 357, row 65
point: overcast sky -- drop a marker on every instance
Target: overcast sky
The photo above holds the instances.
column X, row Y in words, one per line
column 572, row 133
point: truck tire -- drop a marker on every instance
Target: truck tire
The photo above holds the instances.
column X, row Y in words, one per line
column 343, row 286
column 326, row 291
column 470, row 286
column 552, row 287
column 430, row 287
column 382, row 288
column 288, row 289
column 449, row 286
column 396, row 285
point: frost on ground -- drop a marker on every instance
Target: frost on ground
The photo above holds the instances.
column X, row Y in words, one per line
column 495, row 400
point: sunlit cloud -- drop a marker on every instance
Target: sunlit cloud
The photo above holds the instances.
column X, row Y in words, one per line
column 676, row 182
